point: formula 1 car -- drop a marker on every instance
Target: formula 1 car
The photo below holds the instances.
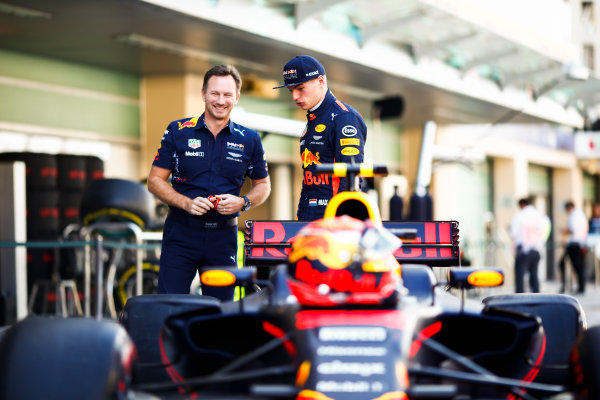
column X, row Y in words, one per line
column 350, row 309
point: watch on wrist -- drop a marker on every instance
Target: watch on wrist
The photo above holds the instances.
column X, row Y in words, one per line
column 247, row 203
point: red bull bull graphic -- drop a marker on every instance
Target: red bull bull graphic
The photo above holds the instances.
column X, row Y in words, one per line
column 190, row 123
column 308, row 158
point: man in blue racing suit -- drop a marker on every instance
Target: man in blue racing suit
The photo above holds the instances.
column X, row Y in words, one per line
column 335, row 132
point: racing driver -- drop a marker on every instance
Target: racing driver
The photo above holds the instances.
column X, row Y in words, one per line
column 335, row 132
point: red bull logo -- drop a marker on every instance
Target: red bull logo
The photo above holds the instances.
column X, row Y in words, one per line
column 320, row 179
column 190, row 123
column 308, row 158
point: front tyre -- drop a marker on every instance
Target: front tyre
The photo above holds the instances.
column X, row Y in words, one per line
column 584, row 366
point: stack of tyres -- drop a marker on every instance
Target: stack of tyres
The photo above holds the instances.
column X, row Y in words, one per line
column 42, row 210
column 75, row 173
column 72, row 179
column 94, row 169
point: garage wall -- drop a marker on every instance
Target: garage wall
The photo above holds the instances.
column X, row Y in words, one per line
column 54, row 106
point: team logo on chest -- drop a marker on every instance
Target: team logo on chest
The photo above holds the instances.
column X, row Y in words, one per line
column 235, row 146
column 194, row 143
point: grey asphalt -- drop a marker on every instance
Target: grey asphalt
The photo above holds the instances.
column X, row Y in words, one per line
column 590, row 300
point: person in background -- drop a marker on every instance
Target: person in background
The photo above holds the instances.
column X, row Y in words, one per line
column 209, row 158
column 529, row 229
column 335, row 133
column 575, row 233
column 594, row 223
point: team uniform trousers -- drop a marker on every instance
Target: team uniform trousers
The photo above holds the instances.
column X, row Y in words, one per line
column 573, row 251
column 527, row 263
column 187, row 246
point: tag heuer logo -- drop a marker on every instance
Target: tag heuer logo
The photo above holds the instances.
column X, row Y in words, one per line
column 194, row 143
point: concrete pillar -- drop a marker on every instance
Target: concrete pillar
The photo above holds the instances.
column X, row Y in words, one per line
column 282, row 205
column 13, row 228
column 166, row 98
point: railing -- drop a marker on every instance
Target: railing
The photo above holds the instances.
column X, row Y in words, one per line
column 94, row 236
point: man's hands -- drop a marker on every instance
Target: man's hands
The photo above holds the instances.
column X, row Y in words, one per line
column 225, row 204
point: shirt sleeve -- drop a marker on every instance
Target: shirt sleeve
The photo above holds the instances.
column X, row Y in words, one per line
column 257, row 168
column 350, row 135
column 166, row 149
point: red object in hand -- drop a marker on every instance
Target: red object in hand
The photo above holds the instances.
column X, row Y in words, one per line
column 214, row 199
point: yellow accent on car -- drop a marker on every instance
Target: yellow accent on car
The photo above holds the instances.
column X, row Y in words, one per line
column 485, row 278
column 360, row 197
column 312, row 394
column 303, row 373
column 340, row 170
column 217, row 277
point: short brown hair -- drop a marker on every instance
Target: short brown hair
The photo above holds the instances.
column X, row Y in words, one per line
column 223, row 70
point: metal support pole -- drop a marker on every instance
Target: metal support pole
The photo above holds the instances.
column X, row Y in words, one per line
column 99, row 278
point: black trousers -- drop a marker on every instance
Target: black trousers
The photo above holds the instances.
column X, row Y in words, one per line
column 573, row 251
column 527, row 263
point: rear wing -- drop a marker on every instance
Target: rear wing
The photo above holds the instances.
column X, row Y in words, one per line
column 434, row 243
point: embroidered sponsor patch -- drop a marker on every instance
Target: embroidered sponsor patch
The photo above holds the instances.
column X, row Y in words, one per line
column 350, row 151
column 190, row 123
column 194, row 143
column 349, row 130
column 235, row 146
column 194, row 154
column 320, row 128
column 308, row 158
column 350, row 142
column 290, row 74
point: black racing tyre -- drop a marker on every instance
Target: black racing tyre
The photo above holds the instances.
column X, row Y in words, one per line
column 117, row 200
column 94, row 169
column 41, row 169
column 69, row 202
column 143, row 318
column 562, row 318
column 42, row 213
column 127, row 282
column 584, row 370
column 71, row 172
column 65, row 359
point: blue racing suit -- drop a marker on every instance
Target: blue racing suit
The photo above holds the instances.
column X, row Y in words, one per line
column 335, row 132
column 203, row 165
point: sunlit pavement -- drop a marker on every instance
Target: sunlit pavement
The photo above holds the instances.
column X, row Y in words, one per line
column 590, row 300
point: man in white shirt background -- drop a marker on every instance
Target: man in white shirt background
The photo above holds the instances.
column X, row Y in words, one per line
column 529, row 229
column 576, row 234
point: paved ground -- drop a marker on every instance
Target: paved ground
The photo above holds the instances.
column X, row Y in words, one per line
column 590, row 300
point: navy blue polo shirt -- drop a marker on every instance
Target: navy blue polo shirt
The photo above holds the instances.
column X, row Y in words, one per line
column 202, row 165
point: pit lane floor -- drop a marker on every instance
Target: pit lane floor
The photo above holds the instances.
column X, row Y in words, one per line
column 590, row 300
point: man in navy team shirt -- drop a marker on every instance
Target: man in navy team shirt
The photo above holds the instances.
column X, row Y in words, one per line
column 208, row 159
